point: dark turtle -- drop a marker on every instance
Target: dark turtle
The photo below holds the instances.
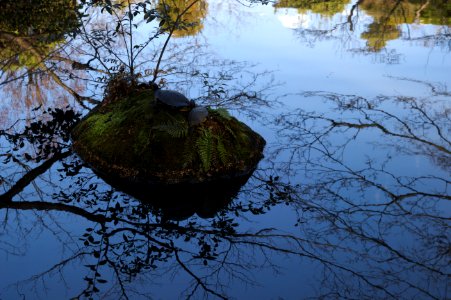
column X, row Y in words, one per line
column 171, row 99
column 197, row 115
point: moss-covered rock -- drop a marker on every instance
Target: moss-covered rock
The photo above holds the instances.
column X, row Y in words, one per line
column 136, row 140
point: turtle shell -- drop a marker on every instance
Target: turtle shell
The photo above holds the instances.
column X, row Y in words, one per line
column 171, row 98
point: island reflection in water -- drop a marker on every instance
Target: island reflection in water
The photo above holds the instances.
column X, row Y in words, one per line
column 180, row 201
column 351, row 201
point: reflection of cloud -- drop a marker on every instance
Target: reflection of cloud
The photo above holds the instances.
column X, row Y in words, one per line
column 290, row 18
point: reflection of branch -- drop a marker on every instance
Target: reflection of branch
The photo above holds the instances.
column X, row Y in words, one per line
column 418, row 12
column 86, row 37
column 171, row 32
column 351, row 14
column 367, row 201
column 196, row 278
column 327, row 263
column 435, row 89
column 48, row 206
column 30, row 176
column 77, row 96
column 372, row 117
column 25, row 45
column 56, row 267
column 388, row 132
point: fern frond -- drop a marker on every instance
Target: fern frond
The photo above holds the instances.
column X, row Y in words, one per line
column 205, row 148
column 175, row 127
column 223, row 154
column 230, row 131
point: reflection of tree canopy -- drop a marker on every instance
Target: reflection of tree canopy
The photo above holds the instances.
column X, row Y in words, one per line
column 27, row 18
column 437, row 12
column 326, row 8
column 191, row 21
column 30, row 30
column 379, row 33
column 389, row 15
column 16, row 54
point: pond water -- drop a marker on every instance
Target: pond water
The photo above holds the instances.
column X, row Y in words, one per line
column 350, row 201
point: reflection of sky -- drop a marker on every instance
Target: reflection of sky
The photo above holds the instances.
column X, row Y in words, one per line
column 270, row 40
column 326, row 65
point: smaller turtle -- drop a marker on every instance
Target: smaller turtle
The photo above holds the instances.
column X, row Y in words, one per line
column 171, row 99
column 197, row 115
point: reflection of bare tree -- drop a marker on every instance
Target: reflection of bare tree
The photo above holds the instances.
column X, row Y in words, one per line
column 32, row 35
column 376, row 230
column 126, row 238
column 396, row 219
column 32, row 74
column 36, row 70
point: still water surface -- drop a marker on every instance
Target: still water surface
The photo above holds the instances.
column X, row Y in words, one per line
column 350, row 201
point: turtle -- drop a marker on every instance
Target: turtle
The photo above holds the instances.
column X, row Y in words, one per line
column 197, row 115
column 171, row 99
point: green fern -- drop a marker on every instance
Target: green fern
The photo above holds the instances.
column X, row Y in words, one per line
column 223, row 154
column 205, row 148
column 175, row 127
column 222, row 112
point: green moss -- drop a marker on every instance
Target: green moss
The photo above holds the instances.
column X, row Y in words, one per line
column 134, row 138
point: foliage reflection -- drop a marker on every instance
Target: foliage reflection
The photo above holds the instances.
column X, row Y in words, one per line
column 30, row 31
column 388, row 18
column 351, row 213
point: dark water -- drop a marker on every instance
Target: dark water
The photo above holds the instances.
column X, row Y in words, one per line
column 350, row 201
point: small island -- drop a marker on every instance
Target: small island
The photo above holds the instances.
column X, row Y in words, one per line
column 130, row 138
